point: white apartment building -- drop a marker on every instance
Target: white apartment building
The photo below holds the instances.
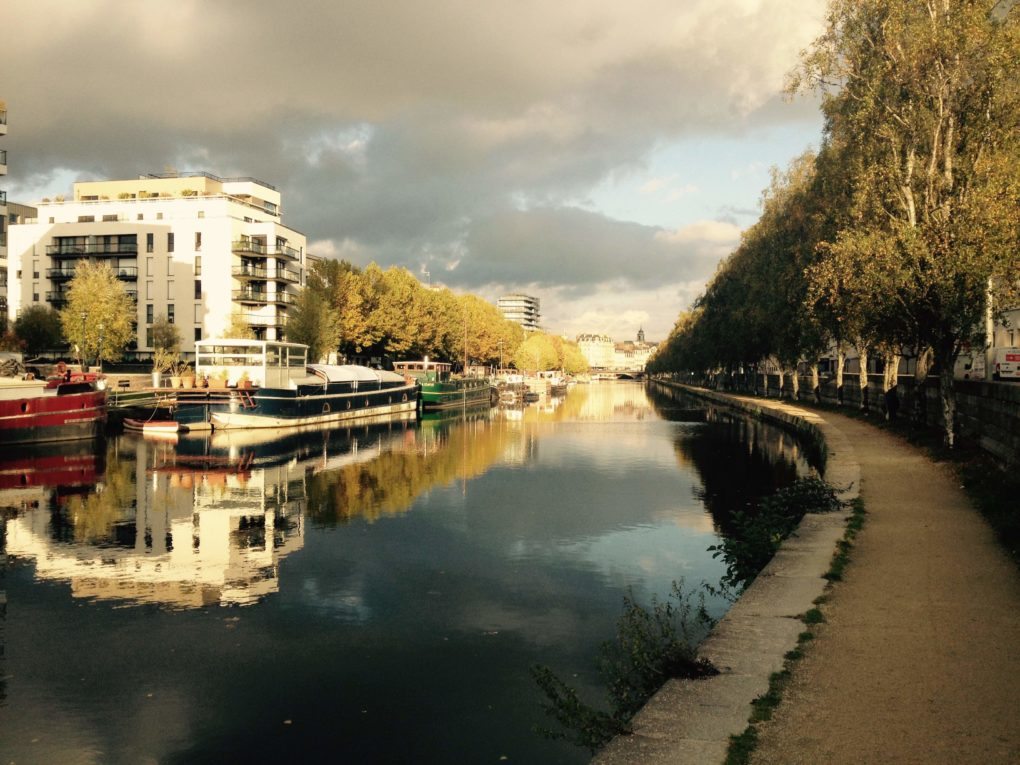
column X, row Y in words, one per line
column 195, row 248
column 597, row 350
column 523, row 309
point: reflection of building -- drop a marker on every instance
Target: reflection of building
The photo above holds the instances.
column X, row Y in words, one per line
column 523, row 309
column 191, row 537
column 189, row 246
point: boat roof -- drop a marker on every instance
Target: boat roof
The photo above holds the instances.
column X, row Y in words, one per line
column 349, row 372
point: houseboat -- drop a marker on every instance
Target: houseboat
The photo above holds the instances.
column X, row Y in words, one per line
column 66, row 407
column 270, row 384
column 442, row 390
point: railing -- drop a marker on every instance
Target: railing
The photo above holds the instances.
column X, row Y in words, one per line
column 258, row 248
column 3, row 156
column 93, row 248
column 252, row 296
column 288, row 275
column 127, row 273
column 3, row 116
column 250, row 272
column 3, row 198
column 57, row 298
column 58, row 274
column 255, row 320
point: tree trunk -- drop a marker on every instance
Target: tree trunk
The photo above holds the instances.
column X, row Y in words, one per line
column 890, row 379
column 816, row 385
column 920, row 376
column 782, row 382
column 862, row 375
column 840, row 361
column 947, row 392
column 795, row 384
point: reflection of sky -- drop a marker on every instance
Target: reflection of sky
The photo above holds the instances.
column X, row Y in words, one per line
column 424, row 621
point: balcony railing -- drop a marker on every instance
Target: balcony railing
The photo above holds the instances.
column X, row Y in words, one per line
column 288, row 275
column 255, row 320
column 3, row 198
column 3, row 156
column 250, row 272
column 92, row 248
column 263, row 298
column 245, row 246
column 59, row 274
column 127, row 273
column 56, row 298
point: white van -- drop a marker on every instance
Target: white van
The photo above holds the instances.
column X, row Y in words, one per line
column 1006, row 363
column 970, row 365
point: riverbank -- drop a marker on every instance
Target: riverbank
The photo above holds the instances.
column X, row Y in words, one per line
column 918, row 659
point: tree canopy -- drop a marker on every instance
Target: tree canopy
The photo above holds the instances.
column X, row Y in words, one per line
column 99, row 319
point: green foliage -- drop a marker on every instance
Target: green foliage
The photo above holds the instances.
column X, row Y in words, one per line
column 99, row 317
column 38, row 328
column 651, row 646
column 758, row 534
column 314, row 323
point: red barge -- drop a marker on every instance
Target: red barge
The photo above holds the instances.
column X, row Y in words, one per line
column 66, row 408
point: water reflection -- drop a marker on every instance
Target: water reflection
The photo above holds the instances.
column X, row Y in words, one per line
column 421, row 567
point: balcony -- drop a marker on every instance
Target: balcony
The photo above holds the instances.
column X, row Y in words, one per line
column 57, row 298
column 255, row 320
column 60, row 274
column 3, row 161
column 127, row 273
column 255, row 297
column 3, row 198
column 288, row 275
column 247, row 247
column 92, row 248
column 250, row 272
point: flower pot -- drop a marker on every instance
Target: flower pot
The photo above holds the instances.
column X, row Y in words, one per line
column 175, row 382
column 188, row 382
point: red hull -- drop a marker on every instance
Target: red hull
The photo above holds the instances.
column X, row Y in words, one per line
column 51, row 417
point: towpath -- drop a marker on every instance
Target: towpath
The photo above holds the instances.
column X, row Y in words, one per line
column 919, row 661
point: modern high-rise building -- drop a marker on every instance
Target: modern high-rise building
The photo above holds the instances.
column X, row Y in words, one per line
column 523, row 309
column 202, row 251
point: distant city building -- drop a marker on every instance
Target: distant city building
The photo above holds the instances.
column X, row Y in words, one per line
column 603, row 354
column 200, row 250
column 597, row 350
column 523, row 309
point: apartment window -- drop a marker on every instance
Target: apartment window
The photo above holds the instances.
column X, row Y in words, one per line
column 169, row 290
column 170, row 242
column 86, row 218
column 109, row 219
column 198, row 240
column 148, row 337
column 201, row 213
column 148, row 290
column 149, row 242
column 150, row 268
column 148, row 314
column 19, row 273
column 159, row 216
column 198, row 334
column 170, row 313
column 198, row 265
column 198, row 314
column 140, row 216
column 51, row 220
column 35, row 297
column 198, row 289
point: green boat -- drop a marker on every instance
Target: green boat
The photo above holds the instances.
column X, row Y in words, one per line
column 442, row 390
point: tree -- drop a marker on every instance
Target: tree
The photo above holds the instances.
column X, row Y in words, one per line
column 314, row 322
column 239, row 329
column 99, row 317
column 38, row 327
column 926, row 96
column 166, row 343
column 538, row 352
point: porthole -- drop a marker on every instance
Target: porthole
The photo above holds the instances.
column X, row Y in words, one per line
column 24, row 407
column 404, row 398
column 325, row 408
column 366, row 403
column 348, row 404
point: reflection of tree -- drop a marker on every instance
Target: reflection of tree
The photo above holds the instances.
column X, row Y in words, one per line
column 91, row 518
column 389, row 484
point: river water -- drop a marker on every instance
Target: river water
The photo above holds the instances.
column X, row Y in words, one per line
column 368, row 594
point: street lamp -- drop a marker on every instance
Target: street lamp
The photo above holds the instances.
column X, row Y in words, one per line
column 99, row 352
column 81, row 351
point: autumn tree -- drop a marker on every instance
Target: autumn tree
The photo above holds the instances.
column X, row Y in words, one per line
column 314, row 322
column 926, row 95
column 99, row 319
column 38, row 328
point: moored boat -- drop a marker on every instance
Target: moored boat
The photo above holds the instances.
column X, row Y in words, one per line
column 441, row 390
column 271, row 385
column 68, row 407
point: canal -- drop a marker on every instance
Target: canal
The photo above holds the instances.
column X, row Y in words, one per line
column 367, row 594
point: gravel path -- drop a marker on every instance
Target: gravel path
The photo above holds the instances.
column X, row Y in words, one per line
column 919, row 661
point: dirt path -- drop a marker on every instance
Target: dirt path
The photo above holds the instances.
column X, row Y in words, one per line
column 919, row 661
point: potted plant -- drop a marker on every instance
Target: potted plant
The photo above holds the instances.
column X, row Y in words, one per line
column 219, row 380
column 177, row 373
column 163, row 360
column 244, row 381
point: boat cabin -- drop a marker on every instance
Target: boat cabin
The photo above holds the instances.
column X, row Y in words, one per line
column 424, row 370
column 266, row 363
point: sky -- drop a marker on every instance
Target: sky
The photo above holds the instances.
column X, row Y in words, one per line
column 603, row 156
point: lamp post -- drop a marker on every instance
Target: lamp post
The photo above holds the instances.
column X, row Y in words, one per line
column 81, row 354
column 99, row 352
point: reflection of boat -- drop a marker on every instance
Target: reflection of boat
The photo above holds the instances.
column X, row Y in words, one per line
column 440, row 389
column 152, row 426
column 271, row 385
column 49, row 466
column 65, row 408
